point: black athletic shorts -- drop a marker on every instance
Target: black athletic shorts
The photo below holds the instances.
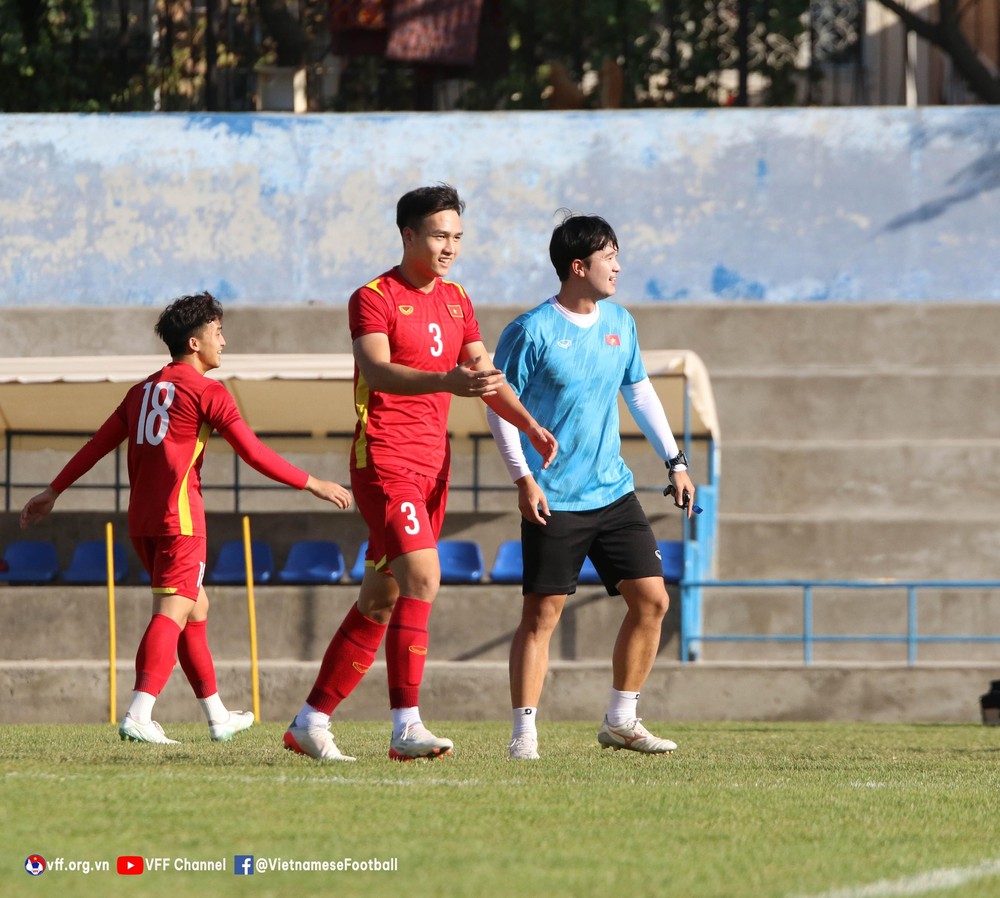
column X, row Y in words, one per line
column 617, row 538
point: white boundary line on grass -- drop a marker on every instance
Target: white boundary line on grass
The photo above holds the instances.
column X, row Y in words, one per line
column 919, row 884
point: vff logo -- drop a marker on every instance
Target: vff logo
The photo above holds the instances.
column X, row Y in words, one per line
column 243, row 865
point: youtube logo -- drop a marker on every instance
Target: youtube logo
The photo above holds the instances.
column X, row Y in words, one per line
column 130, row 865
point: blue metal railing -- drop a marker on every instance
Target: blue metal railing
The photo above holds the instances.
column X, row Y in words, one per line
column 691, row 635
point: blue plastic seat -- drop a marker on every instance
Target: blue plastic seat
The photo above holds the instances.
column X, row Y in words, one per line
column 671, row 559
column 357, row 572
column 461, row 561
column 230, row 566
column 313, row 561
column 588, row 573
column 89, row 563
column 509, row 564
column 30, row 561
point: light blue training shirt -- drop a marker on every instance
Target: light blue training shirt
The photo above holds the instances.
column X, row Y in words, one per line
column 568, row 376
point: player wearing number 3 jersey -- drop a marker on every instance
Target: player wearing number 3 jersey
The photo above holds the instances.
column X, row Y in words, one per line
column 167, row 419
column 416, row 344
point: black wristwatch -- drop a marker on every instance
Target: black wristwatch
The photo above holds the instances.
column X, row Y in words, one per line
column 679, row 459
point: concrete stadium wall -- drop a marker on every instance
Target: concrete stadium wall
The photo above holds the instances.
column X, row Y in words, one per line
column 747, row 205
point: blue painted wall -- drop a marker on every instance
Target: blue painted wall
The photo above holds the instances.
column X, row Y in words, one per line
column 755, row 205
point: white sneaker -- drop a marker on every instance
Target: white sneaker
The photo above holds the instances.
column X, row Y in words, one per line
column 316, row 742
column 237, row 723
column 134, row 731
column 633, row 736
column 523, row 748
column 416, row 741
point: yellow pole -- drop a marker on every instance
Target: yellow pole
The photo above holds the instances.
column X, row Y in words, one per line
column 248, row 557
column 112, row 680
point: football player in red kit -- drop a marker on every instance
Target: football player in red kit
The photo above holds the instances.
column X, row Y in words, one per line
column 416, row 344
column 167, row 419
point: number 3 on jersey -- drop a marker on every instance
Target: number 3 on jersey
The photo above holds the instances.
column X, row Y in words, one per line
column 437, row 347
column 413, row 525
column 153, row 418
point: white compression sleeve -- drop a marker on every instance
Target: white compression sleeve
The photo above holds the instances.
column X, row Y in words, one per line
column 648, row 412
column 508, row 440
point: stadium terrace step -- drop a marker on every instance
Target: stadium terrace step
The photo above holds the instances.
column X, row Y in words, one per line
column 725, row 335
column 802, row 336
column 77, row 692
column 857, row 404
column 944, row 547
column 865, row 479
column 296, row 622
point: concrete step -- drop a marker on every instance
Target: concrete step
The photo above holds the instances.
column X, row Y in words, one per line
column 468, row 623
column 848, row 405
column 947, row 547
column 725, row 335
column 802, row 336
column 77, row 692
column 870, row 478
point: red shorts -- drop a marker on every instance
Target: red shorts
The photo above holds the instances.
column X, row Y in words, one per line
column 403, row 510
column 175, row 564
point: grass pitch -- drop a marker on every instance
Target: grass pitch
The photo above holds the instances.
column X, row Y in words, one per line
column 755, row 810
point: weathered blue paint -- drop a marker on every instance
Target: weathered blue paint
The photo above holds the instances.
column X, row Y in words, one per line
column 747, row 205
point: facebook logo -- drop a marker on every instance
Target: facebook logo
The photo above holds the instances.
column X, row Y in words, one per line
column 243, row 865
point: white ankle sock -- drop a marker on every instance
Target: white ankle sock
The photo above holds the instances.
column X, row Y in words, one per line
column 214, row 708
column 141, row 707
column 308, row 716
column 524, row 722
column 402, row 718
column 622, row 707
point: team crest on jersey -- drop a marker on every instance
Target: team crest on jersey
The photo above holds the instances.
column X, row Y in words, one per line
column 406, row 310
column 456, row 311
column 612, row 339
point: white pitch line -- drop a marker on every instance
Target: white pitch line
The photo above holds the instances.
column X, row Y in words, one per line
column 920, row 884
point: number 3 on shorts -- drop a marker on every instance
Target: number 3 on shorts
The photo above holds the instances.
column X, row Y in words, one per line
column 410, row 510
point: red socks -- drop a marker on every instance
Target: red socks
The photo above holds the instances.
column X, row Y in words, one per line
column 196, row 658
column 157, row 651
column 347, row 659
column 406, row 651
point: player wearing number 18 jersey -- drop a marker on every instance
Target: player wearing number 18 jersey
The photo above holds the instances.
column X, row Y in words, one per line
column 167, row 419
column 416, row 344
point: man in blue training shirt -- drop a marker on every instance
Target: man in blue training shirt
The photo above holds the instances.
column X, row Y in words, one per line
column 568, row 359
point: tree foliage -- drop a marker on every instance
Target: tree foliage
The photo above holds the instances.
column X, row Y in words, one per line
column 73, row 55
column 46, row 55
column 667, row 52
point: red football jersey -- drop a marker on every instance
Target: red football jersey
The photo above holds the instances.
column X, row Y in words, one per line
column 167, row 420
column 426, row 331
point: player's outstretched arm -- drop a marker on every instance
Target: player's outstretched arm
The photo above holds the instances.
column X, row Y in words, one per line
column 507, row 406
column 474, row 376
column 329, row 491
column 38, row 507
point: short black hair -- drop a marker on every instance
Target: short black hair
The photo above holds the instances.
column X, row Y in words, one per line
column 184, row 317
column 578, row 237
column 415, row 206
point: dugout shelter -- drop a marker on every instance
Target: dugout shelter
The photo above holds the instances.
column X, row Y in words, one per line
column 310, row 397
